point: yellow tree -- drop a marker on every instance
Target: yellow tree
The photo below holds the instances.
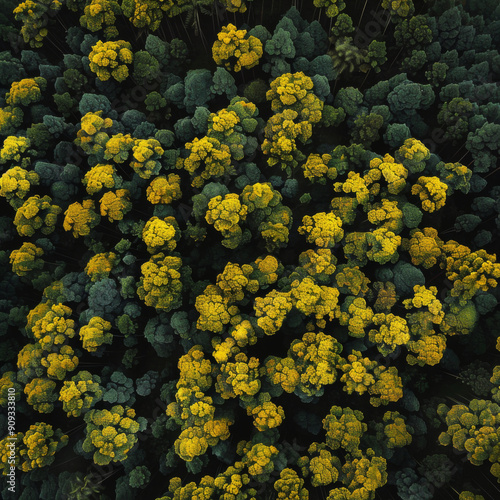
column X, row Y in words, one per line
column 164, row 190
column 235, row 50
column 115, row 204
column 111, row 59
column 99, row 177
column 432, row 192
column 322, row 229
column 36, row 213
column 80, row 218
column 225, row 214
column 16, row 183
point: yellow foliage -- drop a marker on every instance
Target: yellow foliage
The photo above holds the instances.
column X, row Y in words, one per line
column 110, row 59
column 26, row 259
column 317, row 168
column 118, row 147
column 310, row 298
column 164, row 190
column 15, row 184
column 115, row 204
column 191, row 443
column 53, row 329
column 234, row 44
column 26, row 91
column 424, row 247
column 233, row 280
column 239, row 378
column 160, row 285
column 210, row 153
column 318, row 263
column 294, row 91
column 387, row 214
column 100, row 177
column 95, row 334
column 100, row 265
column 213, row 309
column 432, row 193
column 271, row 310
column 92, row 136
column 429, row 350
column 146, row 154
column 282, row 372
column 81, row 218
column 160, row 234
column 99, row 14
column 394, row 173
column 392, row 331
column 323, row 229
column 266, row 416
column 413, row 155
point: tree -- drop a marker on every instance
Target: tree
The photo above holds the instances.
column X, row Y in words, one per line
column 366, row 129
column 414, row 32
column 101, row 14
column 115, row 204
column 92, row 136
column 386, row 214
column 39, row 445
column 320, row 464
column 26, row 260
column 80, row 218
column 295, row 91
column 333, row 7
column 26, row 91
column 81, row 393
column 323, row 229
column 225, row 214
column 394, row 173
column 290, row 487
column 362, row 375
column 110, row 59
column 392, row 331
column 54, row 328
column 266, row 415
column 413, row 155
column 344, row 429
column 14, row 149
column 317, row 168
column 214, row 310
column 111, row 434
column 210, row 153
column 473, row 428
column 146, row 67
column 235, row 50
column 40, row 394
column 100, row 265
column 36, row 213
column 16, row 183
column 314, row 357
column 146, row 154
column 160, row 285
column 454, row 118
column 95, row 334
column 99, row 177
column 432, row 192
column 164, row 190
column 356, row 315
column 161, row 234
